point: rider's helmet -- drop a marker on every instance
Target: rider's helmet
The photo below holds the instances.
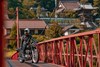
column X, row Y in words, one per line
column 26, row 31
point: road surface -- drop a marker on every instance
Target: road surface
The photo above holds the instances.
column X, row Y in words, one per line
column 15, row 63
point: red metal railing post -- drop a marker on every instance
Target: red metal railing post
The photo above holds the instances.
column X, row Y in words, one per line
column 90, row 44
column 49, row 53
column 67, row 45
column 53, row 51
column 73, row 46
column 40, row 52
column 72, row 52
column 60, row 53
column 38, row 48
column 46, row 55
column 86, row 54
column 57, row 57
column 81, row 52
column 70, row 60
column 98, row 49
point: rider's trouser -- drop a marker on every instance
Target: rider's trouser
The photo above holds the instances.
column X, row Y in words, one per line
column 23, row 49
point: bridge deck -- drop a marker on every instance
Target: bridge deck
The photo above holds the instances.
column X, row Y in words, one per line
column 15, row 63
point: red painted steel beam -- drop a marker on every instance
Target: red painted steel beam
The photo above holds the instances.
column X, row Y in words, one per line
column 98, row 50
column 14, row 56
column 57, row 45
column 1, row 33
column 67, row 45
column 39, row 49
column 53, row 51
column 73, row 52
column 81, row 51
column 42, row 53
column 60, row 49
column 91, row 52
column 86, row 56
column 73, row 35
column 77, row 54
column 71, row 60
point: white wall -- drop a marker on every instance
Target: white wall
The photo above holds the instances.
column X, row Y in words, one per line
column 66, row 33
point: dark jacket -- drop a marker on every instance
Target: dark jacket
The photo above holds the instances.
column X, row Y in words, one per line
column 26, row 39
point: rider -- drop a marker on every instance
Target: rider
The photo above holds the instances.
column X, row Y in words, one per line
column 25, row 40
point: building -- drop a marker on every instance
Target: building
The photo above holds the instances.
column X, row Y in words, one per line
column 35, row 26
column 74, row 5
column 86, row 17
column 67, row 5
column 70, row 29
column 70, row 0
column 90, row 1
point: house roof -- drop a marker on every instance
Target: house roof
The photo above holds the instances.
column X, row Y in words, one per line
column 71, row 27
column 87, row 6
column 70, row 5
column 59, row 10
column 67, row 27
column 70, row 0
column 26, row 23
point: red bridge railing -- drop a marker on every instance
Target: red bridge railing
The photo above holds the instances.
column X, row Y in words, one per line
column 77, row 50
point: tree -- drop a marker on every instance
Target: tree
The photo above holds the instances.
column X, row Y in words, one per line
column 11, row 13
column 32, row 14
column 53, row 31
column 96, row 3
column 24, row 9
column 38, row 12
column 90, row 1
column 68, row 14
column 83, row 1
column 24, row 13
column 14, row 3
column 13, row 36
column 39, row 38
column 27, row 3
column 49, row 5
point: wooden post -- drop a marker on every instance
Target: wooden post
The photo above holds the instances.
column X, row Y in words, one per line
column 17, row 25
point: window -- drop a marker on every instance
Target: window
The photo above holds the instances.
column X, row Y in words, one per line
column 36, row 31
column 8, row 31
column 22, row 32
column 70, row 0
column 32, row 32
column 41, row 32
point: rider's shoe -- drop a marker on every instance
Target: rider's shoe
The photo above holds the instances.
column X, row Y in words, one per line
column 23, row 56
column 18, row 49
